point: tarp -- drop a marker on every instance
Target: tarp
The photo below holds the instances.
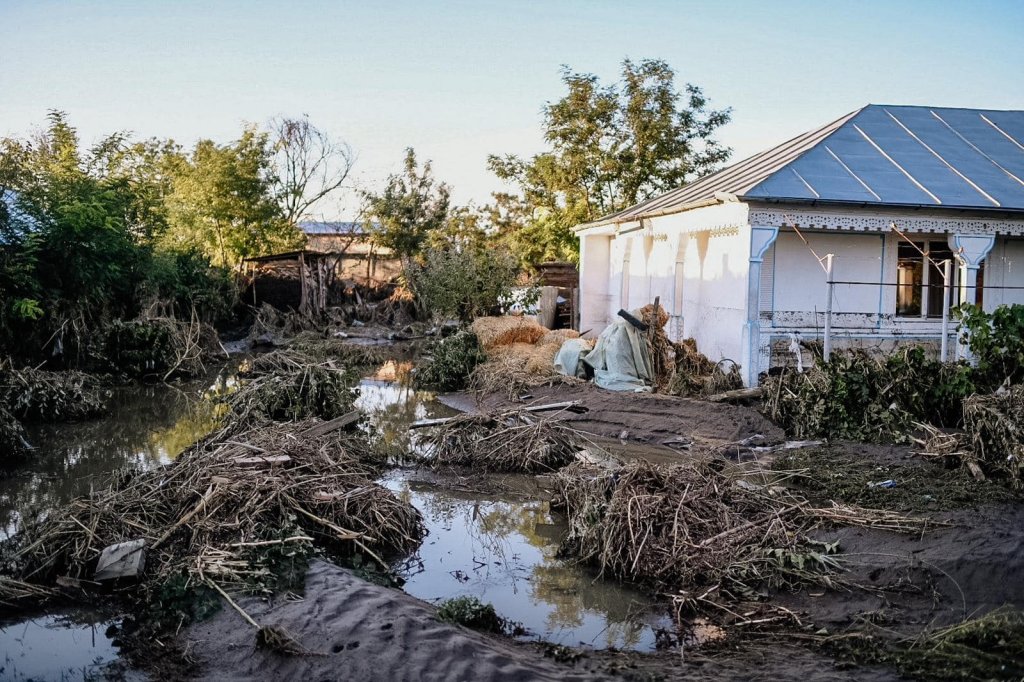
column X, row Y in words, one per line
column 620, row 359
column 569, row 359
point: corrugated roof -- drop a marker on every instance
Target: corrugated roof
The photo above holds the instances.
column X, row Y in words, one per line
column 880, row 154
column 332, row 227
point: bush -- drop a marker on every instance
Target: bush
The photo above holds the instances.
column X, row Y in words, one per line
column 996, row 340
column 855, row 396
column 449, row 362
column 472, row 613
column 463, row 284
column 41, row 396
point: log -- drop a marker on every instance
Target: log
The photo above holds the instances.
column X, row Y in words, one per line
column 333, row 425
column 738, row 394
column 574, row 406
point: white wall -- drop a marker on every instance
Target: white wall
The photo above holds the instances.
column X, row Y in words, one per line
column 1004, row 267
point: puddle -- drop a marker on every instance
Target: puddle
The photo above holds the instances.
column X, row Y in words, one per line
column 147, row 426
column 390, row 404
column 503, row 551
column 69, row 646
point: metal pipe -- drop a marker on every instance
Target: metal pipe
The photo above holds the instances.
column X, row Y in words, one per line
column 828, row 308
column 947, row 274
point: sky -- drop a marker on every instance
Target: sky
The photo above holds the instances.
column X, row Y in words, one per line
column 462, row 79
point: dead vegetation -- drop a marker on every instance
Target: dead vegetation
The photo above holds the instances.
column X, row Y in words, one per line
column 505, row 441
column 159, row 346
column 698, row 377
column 494, row 332
column 223, row 510
column 286, row 386
column 705, row 538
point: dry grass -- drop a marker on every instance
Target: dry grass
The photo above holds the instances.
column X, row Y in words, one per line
column 504, row 331
column 691, row 530
column 994, row 427
column 697, row 376
column 208, row 513
column 506, row 441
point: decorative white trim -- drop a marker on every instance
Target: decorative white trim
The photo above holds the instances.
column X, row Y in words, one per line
column 860, row 220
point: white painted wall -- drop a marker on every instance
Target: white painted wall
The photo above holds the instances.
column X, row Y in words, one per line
column 1004, row 267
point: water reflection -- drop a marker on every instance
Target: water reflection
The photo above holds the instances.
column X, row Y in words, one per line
column 390, row 404
column 503, row 551
column 55, row 647
column 147, row 426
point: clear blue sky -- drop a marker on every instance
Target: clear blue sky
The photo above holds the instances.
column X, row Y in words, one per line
column 459, row 80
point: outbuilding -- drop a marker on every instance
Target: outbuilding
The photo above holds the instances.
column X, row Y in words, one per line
column 869, row 207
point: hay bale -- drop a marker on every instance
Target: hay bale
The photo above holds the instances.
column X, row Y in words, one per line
column 503, row 331
column 697, row 376
column 506, row 441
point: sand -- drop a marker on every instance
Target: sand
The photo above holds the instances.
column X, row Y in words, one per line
column 361, row 631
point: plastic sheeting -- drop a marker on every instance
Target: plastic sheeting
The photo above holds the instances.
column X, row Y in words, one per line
column 569, row 359
column 620, row 359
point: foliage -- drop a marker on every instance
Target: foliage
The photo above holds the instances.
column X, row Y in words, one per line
column 323, row 390
column 996, row 342
column 223, row 203
column 180, row 600
column 411, row 207
column 994, row 427
column 610, row 147
column 12, row 436
column 449, row 362
column 472, row 613
column 80, row 239
column 40, row 396
column 858, row 397
column 463, row 284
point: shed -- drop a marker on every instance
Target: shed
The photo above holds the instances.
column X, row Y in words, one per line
column 886, row 195
column 357, row 258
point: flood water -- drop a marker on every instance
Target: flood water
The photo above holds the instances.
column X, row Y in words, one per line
column 500, row 548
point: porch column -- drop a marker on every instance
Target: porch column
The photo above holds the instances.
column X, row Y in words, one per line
column 971, row 250
column 761, row 238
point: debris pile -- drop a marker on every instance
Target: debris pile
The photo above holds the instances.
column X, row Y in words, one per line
column 505, row 441
column 224, row 510
column 286, row 387
column 159, row 346
column 692, row 530
column 450, row 361
column 698, row 377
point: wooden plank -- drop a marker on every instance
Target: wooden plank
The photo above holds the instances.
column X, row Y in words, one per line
column 575, row 406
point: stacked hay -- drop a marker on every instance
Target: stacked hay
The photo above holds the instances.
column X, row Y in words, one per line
column 697, row 376
column 223, row 510
column 658, row 345
column 504, row 331
column 994, row 429
column 542, row 355
column 506, row 441
column 690, row 528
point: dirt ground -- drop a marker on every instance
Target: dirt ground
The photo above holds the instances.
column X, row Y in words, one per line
column 645, row 418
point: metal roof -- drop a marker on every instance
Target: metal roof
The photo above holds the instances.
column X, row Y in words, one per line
column 332, row 227
column 879, row 155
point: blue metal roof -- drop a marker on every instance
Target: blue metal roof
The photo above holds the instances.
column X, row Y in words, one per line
column 332, row 227
column 879, row 155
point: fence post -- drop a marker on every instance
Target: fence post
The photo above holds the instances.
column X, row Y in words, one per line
column 828, row 308
column 947, row 274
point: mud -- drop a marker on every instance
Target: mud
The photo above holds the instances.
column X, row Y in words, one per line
column 644, row 418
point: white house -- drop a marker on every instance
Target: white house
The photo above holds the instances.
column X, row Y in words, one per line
column 887, row 193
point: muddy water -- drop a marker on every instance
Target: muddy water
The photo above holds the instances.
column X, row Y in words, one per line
column 500, row 548
column 68, row 646
column 147, row 426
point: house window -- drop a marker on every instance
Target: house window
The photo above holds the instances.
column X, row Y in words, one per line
column 919, row 279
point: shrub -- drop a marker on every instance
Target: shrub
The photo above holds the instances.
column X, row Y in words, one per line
column 463, row 284
column 858, row 397
column 449, row 362
column 996, row 340
column 472, row 613
column 41, row 396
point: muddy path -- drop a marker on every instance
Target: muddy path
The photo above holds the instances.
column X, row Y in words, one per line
column 642, row 418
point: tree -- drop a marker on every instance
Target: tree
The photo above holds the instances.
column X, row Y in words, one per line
column 223, row 202
column 411, row 207
column 609, row 148
column 309, row 165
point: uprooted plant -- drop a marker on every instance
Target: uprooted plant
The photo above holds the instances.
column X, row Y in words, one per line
column 35, row 395
column 449, row 362
column 284, row 387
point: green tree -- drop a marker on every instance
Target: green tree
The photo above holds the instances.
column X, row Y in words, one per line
column 609, row 148
column 223, row 204
column 412, row 206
